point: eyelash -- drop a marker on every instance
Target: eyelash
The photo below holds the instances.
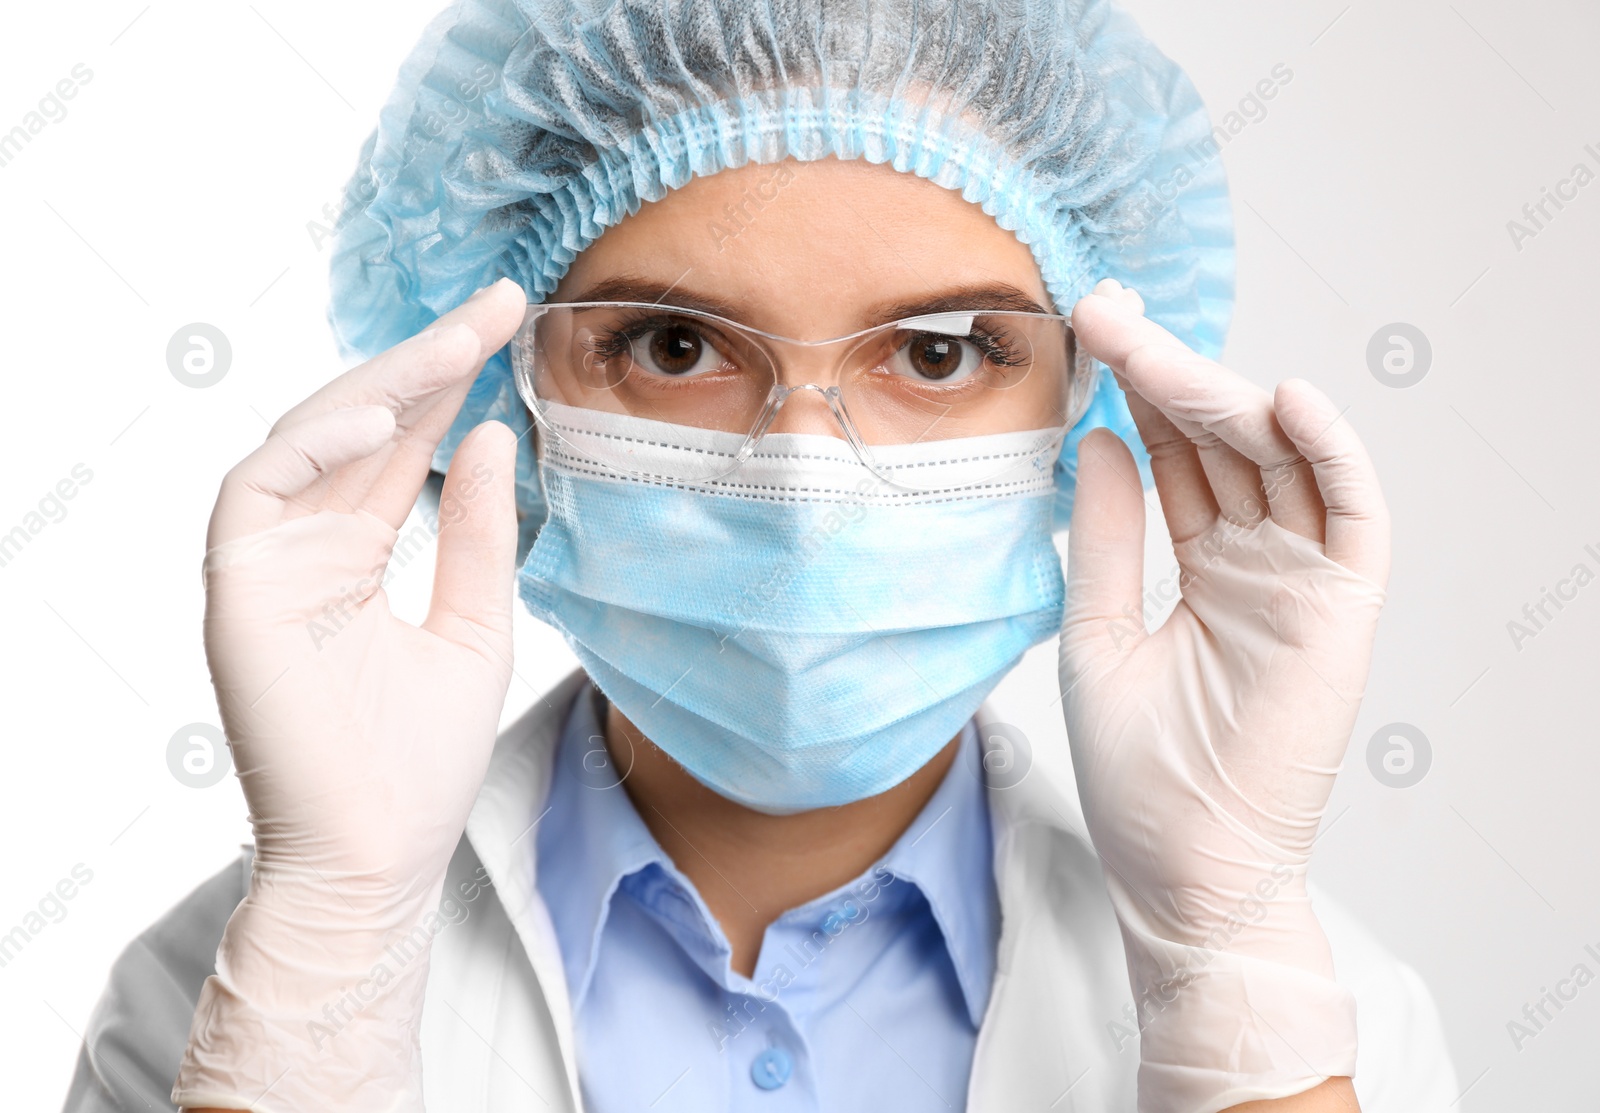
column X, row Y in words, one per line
column 617, row 339
column 994, row 347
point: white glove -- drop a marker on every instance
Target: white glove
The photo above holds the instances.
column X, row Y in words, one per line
column 1205, row 752
column 360, row 740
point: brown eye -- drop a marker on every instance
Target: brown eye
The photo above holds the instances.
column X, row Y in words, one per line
column 674, row 350
column 934, row 357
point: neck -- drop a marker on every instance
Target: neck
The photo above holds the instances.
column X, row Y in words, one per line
column 751, row 867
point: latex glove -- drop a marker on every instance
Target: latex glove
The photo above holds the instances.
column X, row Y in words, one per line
column 1205, row 752
column 360, row 740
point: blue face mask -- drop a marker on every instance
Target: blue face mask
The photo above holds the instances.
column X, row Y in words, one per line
column 800, row 633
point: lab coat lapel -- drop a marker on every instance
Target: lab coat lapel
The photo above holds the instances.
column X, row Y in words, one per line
column 1051, row 1037
column 501, row 830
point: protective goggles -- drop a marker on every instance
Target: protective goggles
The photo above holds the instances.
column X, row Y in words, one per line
column 940, row 377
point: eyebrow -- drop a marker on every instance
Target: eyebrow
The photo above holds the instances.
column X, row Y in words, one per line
column 631, row 288
column 997, row 295
column 955, row 299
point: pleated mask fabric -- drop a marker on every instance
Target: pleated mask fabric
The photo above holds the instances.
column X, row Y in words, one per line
column 800, row 633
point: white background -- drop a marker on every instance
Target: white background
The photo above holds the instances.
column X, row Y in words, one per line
column 1377, row 189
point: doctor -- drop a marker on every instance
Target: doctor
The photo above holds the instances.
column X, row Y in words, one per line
column 805, row 412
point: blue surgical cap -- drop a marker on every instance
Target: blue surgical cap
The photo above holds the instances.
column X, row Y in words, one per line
column 520, row 130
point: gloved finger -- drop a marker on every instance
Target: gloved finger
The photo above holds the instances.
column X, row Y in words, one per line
column 495, row 318
column 1185, row 492
column 1114, row 331
column 412, row 372
column 295, row 466
column 1291, row 490
column 397, row 475
column 423, row 380
column 1111, row 327
column 1195, row 392
column 440, row 356
column 403, row 380
column 476, row 564
column 1235, row 479
column 1127, row 295
column 1228, row 416
column 1357, row 526
column 1104, row 610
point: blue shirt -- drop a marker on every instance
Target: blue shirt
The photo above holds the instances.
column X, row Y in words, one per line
column 868, row 998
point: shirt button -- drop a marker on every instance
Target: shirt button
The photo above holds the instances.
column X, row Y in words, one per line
column 772, row 1068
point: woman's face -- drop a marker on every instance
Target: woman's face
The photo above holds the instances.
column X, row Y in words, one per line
column 810, row 250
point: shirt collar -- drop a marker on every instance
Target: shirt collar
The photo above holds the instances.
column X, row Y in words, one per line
column 948, row 853
column 591, row 838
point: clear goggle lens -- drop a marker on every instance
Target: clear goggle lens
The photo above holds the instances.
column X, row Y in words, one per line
column 945, row 377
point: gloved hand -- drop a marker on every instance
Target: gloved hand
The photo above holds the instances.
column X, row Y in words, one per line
column 1205, row 752
column 360, row 740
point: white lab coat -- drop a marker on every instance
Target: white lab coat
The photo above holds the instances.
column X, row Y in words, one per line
column 497, row 1026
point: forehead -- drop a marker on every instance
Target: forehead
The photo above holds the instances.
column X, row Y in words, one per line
column 802, row 247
